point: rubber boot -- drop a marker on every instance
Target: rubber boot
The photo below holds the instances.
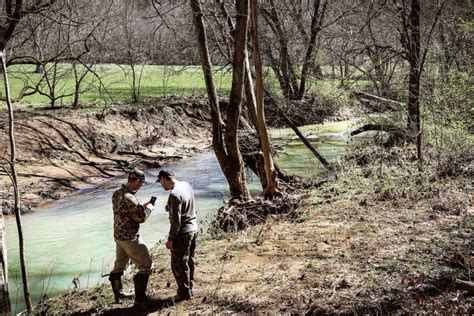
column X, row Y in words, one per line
column 116, row 282
column 141, row 281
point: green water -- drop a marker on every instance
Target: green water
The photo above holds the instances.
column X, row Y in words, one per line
column 73, row 238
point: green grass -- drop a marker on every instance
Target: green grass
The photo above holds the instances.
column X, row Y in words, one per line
column 156, row 82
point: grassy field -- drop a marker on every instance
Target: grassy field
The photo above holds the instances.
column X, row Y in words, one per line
column 115, row 84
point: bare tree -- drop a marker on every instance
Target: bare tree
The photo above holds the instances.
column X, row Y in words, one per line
column 410, row 38
column 292, row 38
column 12, row 11
column 226, row 144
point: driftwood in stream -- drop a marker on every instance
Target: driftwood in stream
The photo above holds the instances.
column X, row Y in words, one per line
column 396, row 134
column 305, row 141
column 144, row 155
column 255, row 162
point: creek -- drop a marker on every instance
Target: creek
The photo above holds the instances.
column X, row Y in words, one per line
column 73, row 238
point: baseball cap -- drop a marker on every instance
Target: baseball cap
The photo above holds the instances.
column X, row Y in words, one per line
column 137, row 174
column 167, row 174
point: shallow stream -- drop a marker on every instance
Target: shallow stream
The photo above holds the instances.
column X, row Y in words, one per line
column 73, row 238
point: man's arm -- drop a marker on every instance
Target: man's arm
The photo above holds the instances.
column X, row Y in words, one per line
column 138, row 212
column 174, row 207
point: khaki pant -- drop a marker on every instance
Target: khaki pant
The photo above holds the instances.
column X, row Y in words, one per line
column 135, row 250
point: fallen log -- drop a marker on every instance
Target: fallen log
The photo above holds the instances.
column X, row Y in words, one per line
column 370, row 97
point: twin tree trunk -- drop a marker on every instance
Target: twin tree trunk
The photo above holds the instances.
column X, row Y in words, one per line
column 225, row 144
column 283, row 66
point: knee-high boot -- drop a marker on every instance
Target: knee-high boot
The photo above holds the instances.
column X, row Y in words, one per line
column 141, row 281
column 116, row 282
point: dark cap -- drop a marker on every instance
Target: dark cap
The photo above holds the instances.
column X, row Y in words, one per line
column 167, row 174
column 137, row 174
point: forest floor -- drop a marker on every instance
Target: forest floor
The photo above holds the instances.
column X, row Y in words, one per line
column 381, row 239
column 59, row 152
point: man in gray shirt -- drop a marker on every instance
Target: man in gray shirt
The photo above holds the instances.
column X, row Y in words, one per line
column 182, row 234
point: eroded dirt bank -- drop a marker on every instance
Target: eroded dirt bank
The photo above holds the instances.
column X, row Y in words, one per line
column 61, row 153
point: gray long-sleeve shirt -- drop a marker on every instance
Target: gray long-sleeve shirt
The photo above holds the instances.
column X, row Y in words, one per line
column 181, row 209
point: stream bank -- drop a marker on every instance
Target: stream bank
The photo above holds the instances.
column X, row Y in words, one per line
column 60, row 153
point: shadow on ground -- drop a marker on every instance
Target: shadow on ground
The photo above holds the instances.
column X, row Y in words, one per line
column 152, row 306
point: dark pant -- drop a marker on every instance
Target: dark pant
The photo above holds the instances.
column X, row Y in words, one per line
column 182, row 262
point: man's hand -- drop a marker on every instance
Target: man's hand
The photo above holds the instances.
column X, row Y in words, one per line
column 169, row 244
column 149, row 206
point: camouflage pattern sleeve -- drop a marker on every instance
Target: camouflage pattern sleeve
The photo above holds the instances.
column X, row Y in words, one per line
column 174, row 208
column 137, row 212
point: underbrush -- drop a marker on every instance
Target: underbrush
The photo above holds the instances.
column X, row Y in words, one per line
column 311, row 110
column 394, row 173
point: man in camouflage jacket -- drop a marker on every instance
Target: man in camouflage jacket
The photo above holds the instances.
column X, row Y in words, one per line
column 129, row 213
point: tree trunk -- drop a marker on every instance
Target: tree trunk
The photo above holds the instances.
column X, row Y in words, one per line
column 316, row 23
column 228, row 153
column 290, row 86
column 39, row 69
column 235, row 103
column 249, row 90
column 17, row 208
column 414, row 60
column 77, row 88
column 272, row 184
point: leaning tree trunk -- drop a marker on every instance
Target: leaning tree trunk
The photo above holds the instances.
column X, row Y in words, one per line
column 272, row 184
column 249, row 93
column 24, row 274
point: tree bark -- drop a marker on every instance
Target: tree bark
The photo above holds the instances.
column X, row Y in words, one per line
column 227, row 153
column 272, row 184
column 414, row 60
column 24, row 273
column 249, row 89
column 316, row 23
column 235, row 163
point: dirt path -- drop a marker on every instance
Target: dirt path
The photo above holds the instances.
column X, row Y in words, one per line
column 61, row 153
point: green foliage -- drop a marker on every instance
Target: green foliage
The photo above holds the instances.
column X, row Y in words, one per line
column 450, row 103
column 449, row 121
column 453, row 149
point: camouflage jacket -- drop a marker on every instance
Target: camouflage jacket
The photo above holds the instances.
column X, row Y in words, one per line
column 128, row 214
